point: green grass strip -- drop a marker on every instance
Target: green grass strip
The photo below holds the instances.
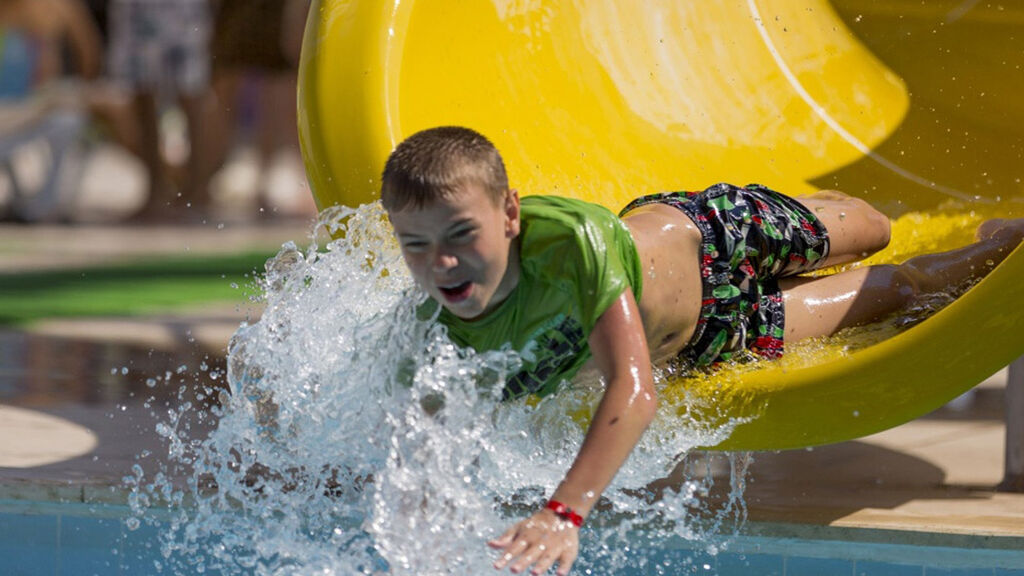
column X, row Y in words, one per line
column 158, row 284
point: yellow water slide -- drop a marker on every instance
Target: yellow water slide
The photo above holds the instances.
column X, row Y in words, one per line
column 913, row 106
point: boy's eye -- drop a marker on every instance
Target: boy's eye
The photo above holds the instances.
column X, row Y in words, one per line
column 414, row 245
column 463, row 234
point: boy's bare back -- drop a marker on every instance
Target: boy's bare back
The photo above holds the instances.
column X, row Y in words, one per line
column 668, row 244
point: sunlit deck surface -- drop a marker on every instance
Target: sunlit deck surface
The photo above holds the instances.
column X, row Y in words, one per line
column 928, row 481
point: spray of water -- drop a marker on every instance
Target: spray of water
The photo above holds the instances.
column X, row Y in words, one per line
column 357, row 439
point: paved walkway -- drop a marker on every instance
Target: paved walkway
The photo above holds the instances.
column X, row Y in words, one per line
column 928, row 478
column 42, row 247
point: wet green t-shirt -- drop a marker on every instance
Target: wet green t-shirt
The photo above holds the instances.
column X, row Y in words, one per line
column 576, row 259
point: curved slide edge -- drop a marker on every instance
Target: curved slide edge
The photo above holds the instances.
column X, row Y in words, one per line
column 345, row 112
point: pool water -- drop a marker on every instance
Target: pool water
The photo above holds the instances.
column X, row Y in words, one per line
column 75, row 539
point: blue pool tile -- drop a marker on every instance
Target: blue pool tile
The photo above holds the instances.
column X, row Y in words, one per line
column 703, row 563
column 747, row 564
column 867, row 568
column 931, row 571
column 799, row 566
column 89, row 546
column 141, row 549
column 27, row 543
column 683, row 561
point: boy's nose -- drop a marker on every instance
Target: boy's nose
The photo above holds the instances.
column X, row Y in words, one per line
column 443, row 261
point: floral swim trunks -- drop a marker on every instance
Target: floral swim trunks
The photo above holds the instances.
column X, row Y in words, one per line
column 752, row 236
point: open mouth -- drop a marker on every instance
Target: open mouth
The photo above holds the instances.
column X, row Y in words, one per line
column 457, row 292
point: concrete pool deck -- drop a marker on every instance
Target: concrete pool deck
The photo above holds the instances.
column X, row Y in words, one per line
column 929, row 479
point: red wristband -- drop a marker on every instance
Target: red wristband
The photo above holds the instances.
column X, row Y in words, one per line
column 565, row 513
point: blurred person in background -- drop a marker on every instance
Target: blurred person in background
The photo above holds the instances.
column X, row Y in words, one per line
column 159, row 51
column 255, row 51
column 46, row 48
column 98, row 9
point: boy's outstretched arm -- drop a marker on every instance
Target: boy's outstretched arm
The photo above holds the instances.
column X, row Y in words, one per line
column 629, row 404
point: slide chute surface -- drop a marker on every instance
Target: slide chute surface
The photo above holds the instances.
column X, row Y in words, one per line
column 914, row 107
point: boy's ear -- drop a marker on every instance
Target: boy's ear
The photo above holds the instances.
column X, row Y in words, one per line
column 512, row 213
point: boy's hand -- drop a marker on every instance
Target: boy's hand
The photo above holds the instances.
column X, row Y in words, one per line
column 540, row 540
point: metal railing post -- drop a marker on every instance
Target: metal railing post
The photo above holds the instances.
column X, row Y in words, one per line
column 1013, row 476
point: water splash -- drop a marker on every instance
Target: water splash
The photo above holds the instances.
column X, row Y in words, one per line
column 357, row 439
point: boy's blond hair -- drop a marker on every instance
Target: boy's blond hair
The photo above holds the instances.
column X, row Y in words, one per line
column 434, row 163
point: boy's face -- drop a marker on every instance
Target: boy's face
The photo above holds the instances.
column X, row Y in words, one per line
column 461, row 249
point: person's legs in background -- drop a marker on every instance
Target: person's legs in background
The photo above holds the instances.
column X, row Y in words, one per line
column 160, row 51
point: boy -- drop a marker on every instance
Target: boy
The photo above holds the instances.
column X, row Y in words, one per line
column 696, row 277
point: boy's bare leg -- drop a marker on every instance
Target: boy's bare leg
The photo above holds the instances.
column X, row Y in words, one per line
column 855, row 228
column 822, row 306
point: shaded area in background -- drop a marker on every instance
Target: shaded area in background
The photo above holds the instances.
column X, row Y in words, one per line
column 962, row 63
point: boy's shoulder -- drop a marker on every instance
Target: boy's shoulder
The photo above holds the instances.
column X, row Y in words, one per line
column 569, row 224
column 576, row 243
column 548, row 202
column 559, row 216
